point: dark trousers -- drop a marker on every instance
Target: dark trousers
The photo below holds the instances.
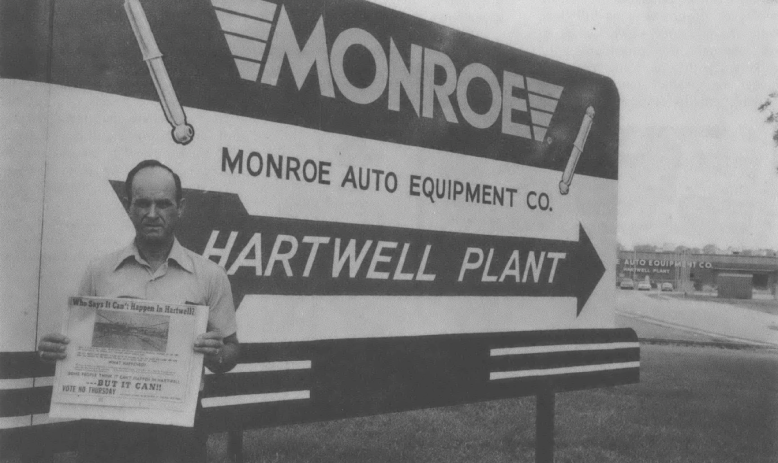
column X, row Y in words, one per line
column 118, row 442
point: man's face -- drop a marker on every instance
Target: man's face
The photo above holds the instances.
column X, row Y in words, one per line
column 153, row 209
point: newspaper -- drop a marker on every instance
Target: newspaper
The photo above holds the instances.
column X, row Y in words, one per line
column 130, row 360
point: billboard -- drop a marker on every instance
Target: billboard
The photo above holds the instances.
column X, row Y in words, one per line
column 358, row 172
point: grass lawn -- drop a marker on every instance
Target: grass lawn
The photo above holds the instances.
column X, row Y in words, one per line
column 693, row 404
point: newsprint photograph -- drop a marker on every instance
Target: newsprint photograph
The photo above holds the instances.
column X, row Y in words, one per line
column 378, row 231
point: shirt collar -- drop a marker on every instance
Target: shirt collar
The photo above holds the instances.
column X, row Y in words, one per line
column 177, row 254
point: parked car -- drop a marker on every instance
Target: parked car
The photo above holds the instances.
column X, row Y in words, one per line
column 644, row 286
column 627, row 283
column 667, row 286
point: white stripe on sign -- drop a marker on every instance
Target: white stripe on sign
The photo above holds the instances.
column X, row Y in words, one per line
column 256, row 8
column 255, row 398
column 245, row 48
column 45, row 381
column 248, row 70
column 340, row 317
column 244, row 26
column 23, row 383
column 562, row 348
column 539, row 102
column 562, row 371
column 540, row 118
column 540, row 132
column 44, row 418
column 544, row 88
column 269, row 366
column 20, row 383
column 9, row 422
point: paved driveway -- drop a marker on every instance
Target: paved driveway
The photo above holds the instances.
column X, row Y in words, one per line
column 715, row 319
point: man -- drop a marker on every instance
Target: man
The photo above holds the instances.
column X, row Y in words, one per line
column 156, row 267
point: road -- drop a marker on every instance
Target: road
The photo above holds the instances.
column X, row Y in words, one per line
column 700, row 319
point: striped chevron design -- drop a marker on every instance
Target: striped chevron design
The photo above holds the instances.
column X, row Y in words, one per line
column 254, row 374
column 543, row 98
column 562, row 359
column 25, row 390
column 246, row 25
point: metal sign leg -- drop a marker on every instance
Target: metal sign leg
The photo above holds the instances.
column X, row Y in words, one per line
column 544, row 428
column 235, row 445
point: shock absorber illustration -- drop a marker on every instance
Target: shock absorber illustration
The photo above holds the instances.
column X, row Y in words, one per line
column 578, row 146
column 174, row 113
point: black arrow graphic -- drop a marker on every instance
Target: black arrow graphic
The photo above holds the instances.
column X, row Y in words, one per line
column 394, row 261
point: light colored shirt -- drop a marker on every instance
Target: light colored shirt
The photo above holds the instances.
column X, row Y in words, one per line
column 184, row 278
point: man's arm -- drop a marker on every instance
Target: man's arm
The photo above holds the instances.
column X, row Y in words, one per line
column 220, row 354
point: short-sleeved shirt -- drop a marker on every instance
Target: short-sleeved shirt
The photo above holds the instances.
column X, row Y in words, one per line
column 184, row 278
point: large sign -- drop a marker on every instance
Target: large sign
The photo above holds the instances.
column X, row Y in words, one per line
column 358, row 172
column 661, row 268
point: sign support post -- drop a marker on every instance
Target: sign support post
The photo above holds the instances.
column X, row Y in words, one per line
column 544, row 427
column 235, row 445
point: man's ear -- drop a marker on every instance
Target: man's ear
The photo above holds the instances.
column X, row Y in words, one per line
column 181, row 205
column 126, row 203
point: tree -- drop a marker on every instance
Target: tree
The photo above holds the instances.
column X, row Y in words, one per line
column 645, row 248
column 772, row 113
column 710, row 249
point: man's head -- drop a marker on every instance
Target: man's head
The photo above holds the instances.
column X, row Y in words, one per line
column 154, row 202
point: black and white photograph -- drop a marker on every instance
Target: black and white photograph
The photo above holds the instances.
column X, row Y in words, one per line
column 131, row 331
column 416, row 231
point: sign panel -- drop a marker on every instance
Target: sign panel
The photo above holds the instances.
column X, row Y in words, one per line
column 357, row 157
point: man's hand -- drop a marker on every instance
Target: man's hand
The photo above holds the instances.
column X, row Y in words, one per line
column 52, row 347
column 221, row 354
column 209, row 343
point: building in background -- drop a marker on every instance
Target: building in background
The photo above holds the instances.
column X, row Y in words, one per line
column 697, row 271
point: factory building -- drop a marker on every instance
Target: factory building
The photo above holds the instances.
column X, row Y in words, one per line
column 699, row 271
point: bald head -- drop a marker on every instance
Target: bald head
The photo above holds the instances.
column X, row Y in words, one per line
column 154, row 205
column 146, row 164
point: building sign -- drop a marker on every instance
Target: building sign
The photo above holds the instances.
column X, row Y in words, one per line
column 359, row 161
column 659, row 268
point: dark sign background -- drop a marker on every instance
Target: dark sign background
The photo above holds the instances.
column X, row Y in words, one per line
column 576, row 275
column 93, row 47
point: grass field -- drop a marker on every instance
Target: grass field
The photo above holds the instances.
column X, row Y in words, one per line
column 693, row 404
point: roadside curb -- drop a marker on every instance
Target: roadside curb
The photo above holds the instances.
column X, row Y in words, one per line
column 731, row 342
column 701, row 344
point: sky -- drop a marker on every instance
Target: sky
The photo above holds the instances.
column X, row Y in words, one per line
column 697, row 164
